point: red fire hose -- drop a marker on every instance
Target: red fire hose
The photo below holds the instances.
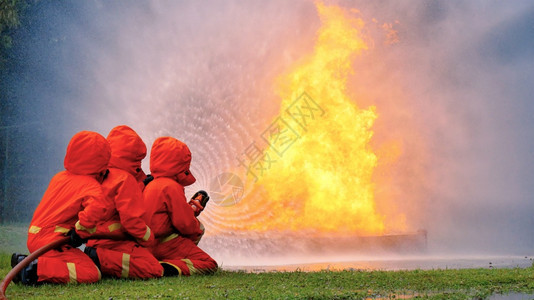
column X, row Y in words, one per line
column 117, row 235
column 25, row 262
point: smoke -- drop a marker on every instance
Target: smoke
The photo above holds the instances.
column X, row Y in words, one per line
column 450, row 84
column 454, row 91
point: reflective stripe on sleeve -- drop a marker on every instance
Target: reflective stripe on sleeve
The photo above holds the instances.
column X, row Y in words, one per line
column 81, row 227
column 147, row 234
column 168, row 238
column 34, row 229
column 114, row 226
column 61, row 229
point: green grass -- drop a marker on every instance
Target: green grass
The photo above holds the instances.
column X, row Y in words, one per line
column 13, row 237
column 432, row 284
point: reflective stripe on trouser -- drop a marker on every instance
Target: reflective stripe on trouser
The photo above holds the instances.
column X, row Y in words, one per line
column 126, row 259
column 184, row 254
column 66, row 265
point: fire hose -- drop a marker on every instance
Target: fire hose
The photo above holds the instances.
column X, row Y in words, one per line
column 26, row 261
column 53, row 245
column 200, row 196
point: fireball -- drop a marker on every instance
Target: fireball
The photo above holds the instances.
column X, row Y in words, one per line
column 311, row 170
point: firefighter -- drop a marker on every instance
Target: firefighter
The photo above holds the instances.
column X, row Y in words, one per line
column 172, row 217
column 125, row 258
column 72, row 205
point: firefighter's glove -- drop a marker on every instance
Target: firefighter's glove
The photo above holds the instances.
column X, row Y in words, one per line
column 148, row 179
column 196, row 206
column 75, row 240
column 198, row 202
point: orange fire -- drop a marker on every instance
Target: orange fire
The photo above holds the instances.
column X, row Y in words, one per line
column 316, row 174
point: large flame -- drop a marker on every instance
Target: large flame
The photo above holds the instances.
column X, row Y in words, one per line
column 316, row 173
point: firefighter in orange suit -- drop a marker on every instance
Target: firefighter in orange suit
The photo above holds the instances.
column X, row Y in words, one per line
column 172, row 218
column 73, row 198
column 126, row 258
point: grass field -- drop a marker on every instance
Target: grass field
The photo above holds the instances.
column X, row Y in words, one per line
column 13, row 238
column 354, row 284
column 431, row 284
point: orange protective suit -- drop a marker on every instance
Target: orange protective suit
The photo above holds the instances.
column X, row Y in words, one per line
column 72, row 195
column 172, row 218
column 127, row 258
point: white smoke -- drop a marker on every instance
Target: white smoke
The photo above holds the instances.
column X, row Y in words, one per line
column 453, row 89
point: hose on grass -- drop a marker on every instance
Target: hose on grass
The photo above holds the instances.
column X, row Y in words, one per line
column 26, row 261
column 53, row 245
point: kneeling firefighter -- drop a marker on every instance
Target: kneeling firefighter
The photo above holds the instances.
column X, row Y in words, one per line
column 72, row 205
column 125, row 258
column 173, row 219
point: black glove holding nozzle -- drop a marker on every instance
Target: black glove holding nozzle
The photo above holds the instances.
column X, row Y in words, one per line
column 148, row 179
column 75, row 240
column 198, row 202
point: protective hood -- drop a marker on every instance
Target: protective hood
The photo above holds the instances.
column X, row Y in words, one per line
column 88, row 153
column 127, row 149
column 170, row 157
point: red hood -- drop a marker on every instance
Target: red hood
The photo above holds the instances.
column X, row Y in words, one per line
column 87, row 153
column 127, row 149
column 170, row 157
